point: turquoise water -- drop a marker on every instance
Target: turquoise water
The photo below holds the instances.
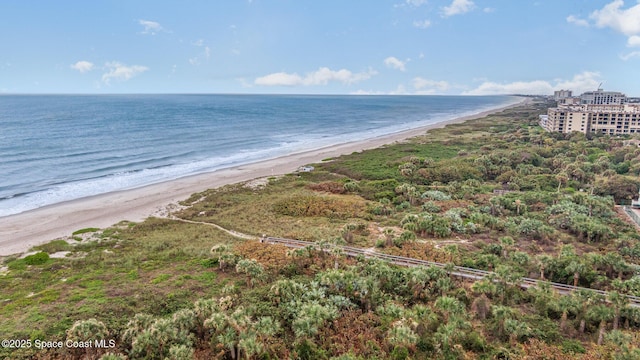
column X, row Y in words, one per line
column 55, row 148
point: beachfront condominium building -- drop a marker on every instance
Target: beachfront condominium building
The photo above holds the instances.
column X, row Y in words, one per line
column 600, row 97
column 604, row 112
column 614, row 119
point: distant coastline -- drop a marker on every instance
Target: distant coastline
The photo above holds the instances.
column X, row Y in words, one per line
column 22, row 231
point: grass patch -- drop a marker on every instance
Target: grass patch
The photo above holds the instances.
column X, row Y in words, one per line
column 161, row 278
column 109, row 286
column 85, row 230
column 206, row 277
column 54, row 246
column 16, row 264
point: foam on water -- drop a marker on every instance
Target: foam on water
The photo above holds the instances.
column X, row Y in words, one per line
column 126, row 180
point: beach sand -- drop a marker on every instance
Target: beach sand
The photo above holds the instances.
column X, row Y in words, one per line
column 20, row 232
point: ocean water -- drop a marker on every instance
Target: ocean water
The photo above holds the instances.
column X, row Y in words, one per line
column 55, row 148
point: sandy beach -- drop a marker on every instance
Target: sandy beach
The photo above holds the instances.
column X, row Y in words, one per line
column 20, row 232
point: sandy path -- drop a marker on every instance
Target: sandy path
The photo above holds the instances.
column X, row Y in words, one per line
column 18, row 233
column 230, row 232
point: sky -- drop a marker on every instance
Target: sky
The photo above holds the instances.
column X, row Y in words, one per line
column 430, row 47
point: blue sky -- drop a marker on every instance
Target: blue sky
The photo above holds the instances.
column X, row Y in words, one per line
column 455, row 47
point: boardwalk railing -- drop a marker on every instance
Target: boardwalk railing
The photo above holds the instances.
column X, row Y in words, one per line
column 460, row 271
column 632, row 214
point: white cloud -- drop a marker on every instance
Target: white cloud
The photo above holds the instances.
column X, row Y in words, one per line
column 613, row 16
column 207, row 52
column 518, row 87
column 458, row 7
column 395, row 63
column 580, row 83
column 121, row 72
column 422, row 24
column 585, row 81
column 322, row 76
column 198, row 42
column 571, row 19
column 430, row 86
column 150, row 27
column 280, row 78
column 626, row 21
column 633, row 41
column 400, row 90
column 630, row 55
column 434, row 87
column 489, row 10
column 82, row 66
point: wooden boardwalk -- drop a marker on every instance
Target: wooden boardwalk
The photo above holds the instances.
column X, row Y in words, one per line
column 459, row 271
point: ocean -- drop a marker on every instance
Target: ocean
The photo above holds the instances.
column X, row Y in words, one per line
column 55, row 148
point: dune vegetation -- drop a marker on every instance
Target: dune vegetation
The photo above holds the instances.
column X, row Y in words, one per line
column 497, row 194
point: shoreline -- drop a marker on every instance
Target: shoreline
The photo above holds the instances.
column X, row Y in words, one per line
column 20, row 232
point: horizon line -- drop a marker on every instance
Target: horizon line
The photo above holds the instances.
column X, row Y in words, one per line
column 253, row 94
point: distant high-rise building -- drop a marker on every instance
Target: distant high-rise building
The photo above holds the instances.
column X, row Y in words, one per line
column 561, row 94
column 569, row 101
column 600, row 97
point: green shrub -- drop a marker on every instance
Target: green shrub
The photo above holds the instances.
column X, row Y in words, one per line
column 384, row 195
column 403, row 206
column 37, row 259
column 543, row 328
column 474, row 342
column 430, row 206
column 209, row 263
column 572, row 347
column 378, row 189
column 435, row 195
column 307, row 350
column 425, row 345
column 399, row 353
